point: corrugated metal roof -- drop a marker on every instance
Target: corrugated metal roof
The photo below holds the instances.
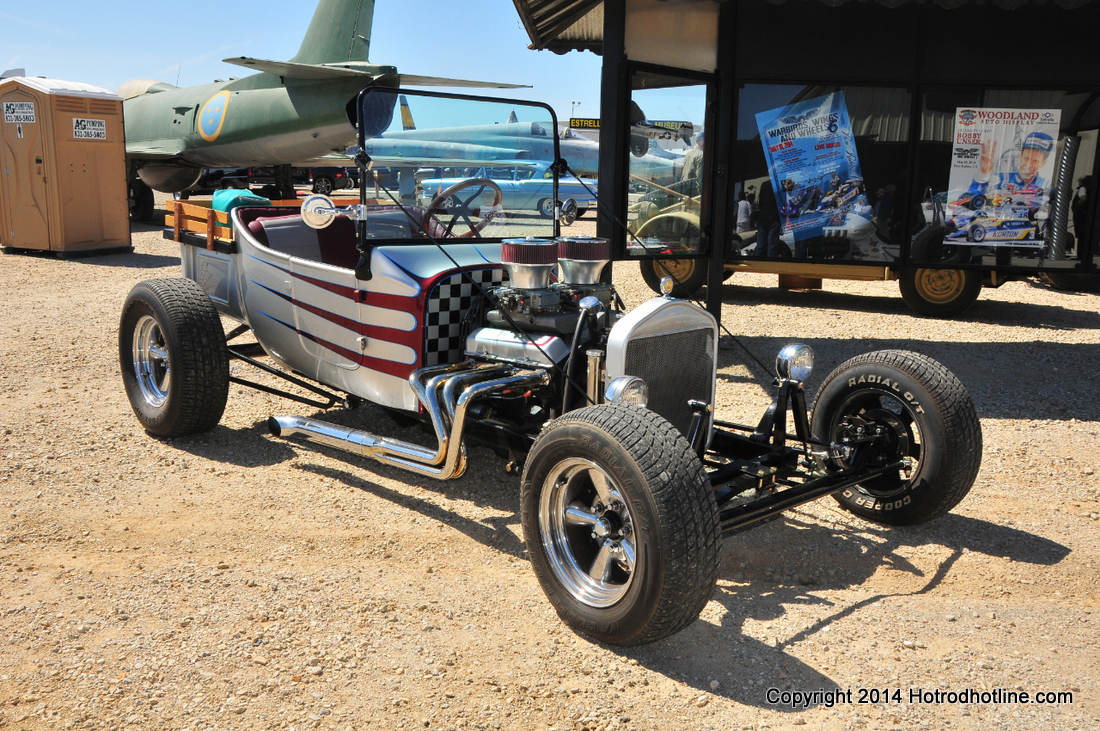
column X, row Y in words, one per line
column 563, row 25
column 568, row 25
column 63, row 88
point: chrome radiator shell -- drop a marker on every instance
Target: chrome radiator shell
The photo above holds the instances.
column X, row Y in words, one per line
column 673, row 346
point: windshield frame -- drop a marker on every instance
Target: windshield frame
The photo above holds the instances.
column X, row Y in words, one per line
column 362, row 138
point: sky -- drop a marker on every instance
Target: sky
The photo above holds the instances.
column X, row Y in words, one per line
column 108, row 43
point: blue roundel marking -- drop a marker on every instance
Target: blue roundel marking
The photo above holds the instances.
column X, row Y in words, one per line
column 212, row 116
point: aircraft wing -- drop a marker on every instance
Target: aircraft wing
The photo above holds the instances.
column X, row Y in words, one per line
column 311, row 71
column 319, row 72
column 402, row 161
column 411, row 80
column 165, row 149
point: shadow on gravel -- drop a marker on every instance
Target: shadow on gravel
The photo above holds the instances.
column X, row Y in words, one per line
column 1003, row 314
column 493, row 533
column 783, row 564
column 1057, row 388
column 241, row 447
column 133, row 261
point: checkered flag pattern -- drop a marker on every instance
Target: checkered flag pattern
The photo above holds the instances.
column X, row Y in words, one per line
column 447, row 304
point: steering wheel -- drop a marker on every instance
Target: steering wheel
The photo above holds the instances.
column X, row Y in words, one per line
column 460, row 209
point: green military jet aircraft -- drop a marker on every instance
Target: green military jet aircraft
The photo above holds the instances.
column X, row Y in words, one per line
column 292, row 112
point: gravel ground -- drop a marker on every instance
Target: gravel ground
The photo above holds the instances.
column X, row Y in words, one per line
column 236, row 581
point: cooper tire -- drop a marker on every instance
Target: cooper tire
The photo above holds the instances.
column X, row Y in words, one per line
column 690, row 274
column 174, row 358
column 939, row 292
column 616, row 492
column 927, row 415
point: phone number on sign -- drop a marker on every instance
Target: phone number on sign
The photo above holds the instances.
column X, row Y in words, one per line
column 864, row 696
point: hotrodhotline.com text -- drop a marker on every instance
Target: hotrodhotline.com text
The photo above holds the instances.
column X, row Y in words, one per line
column 842, row 696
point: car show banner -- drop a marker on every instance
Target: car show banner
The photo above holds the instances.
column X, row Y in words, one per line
column 813, row 165
column 1002, row 163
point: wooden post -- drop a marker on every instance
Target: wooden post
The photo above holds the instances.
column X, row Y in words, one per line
column 178, row 214
column 210, row 219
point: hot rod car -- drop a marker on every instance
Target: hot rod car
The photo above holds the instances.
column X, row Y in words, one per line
column 628, row 478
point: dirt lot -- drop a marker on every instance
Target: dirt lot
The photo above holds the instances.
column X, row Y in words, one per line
column 235, row 581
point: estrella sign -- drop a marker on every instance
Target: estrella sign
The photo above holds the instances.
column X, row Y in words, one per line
column 213, row 115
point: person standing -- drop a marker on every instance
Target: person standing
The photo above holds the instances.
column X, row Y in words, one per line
column 744, row 213
column 693, row 160
column 767, row 221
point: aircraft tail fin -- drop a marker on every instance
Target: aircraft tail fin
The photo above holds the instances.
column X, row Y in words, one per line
column 512, row 118
column 407, row 122
column 340, row 31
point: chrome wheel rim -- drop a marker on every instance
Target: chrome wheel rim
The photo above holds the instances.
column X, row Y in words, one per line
column 587, row 532
column 151, row 365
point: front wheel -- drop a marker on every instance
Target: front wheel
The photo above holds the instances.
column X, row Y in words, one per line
column 620, row 523
column 918, row 410
column 174, row 359
column 939, row 292
column 546, row 207
column 323, row 184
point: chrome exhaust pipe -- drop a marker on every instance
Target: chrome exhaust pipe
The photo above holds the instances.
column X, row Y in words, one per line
column 449, row 458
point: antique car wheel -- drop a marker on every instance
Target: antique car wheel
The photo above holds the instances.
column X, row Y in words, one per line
column 174, row 359
column 323, row 184
column 690, row 274
column 620, row 523
column 939, row 292
column 925, row 413
column 546, row 207
column 461, row 209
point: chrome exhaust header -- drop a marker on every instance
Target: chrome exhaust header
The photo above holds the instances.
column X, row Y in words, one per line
column 459, row 385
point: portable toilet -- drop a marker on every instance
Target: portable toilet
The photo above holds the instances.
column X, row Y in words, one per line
column 63, row 158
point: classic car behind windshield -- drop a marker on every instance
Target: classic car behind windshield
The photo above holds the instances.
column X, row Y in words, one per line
column 525, row 187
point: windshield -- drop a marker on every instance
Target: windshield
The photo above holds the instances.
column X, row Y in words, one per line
column 471, row 167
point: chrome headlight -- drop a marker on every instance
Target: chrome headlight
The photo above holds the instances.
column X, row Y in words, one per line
column 627, row 390
column 795, row 362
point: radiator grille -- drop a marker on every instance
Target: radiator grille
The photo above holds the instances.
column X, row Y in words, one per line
column 677, row 367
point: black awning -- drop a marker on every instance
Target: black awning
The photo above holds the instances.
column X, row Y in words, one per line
column 577, row 25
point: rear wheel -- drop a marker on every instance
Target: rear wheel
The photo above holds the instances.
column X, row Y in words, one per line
column 174, row 359
column 689, row 274
column 920, row 411
column 939, row 292
column 620, row 523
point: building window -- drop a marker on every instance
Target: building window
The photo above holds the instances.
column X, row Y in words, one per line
column 1004, row 176
column 820, row 172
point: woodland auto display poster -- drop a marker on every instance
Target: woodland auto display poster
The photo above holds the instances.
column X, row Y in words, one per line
column 813, row 164
column 1002, row 163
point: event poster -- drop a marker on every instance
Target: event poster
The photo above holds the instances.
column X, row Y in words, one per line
column 1002, row 163
column 813, row 164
